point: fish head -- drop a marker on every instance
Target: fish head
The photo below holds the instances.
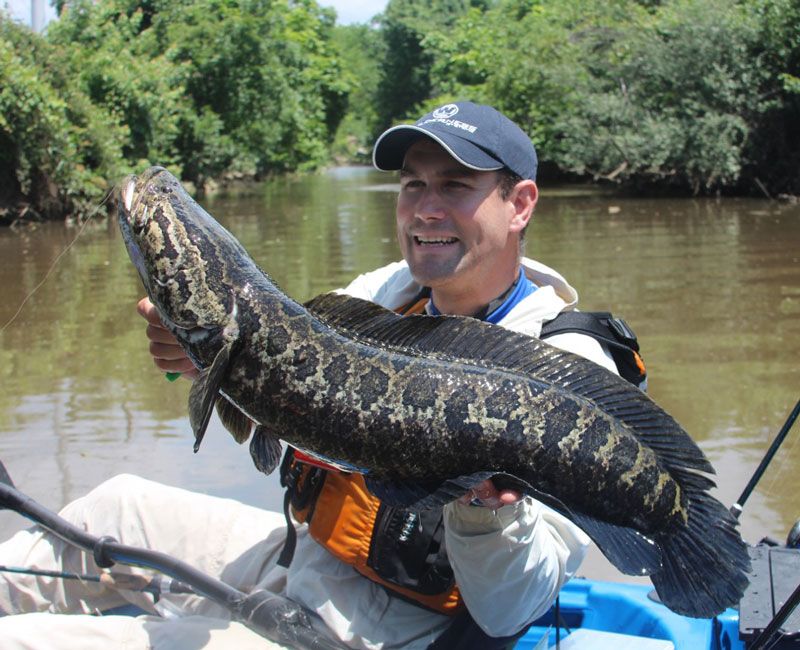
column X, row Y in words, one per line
column 182, row 255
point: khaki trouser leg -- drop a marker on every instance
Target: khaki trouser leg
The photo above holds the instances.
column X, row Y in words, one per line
column 81, row 632
column 224, row 538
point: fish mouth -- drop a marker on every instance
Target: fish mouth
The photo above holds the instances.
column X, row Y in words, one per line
column 134, row 213
column 133, row 197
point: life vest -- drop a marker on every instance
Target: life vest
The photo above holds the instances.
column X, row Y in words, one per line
column 401, row 550
column 609, row 330
column 404, row 550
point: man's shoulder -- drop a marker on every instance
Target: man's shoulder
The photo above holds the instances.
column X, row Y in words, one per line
column 389, row 286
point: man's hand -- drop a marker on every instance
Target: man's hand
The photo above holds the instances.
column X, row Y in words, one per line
column 490, row 497
column 167, row 353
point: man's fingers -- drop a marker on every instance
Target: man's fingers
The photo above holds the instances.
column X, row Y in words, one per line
column 183, row 366
column 147, row 310
column 167, row 351
column 159, row 334
column 509, row 497
column 489, row 496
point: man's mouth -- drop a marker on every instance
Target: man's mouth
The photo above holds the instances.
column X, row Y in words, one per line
column 434, row 241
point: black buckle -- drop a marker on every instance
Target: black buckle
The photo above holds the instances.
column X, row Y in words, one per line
column 623, row 332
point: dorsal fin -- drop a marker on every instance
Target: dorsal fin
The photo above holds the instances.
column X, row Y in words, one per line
column 467, row 340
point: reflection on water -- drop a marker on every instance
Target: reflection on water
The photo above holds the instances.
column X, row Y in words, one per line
column 712, row 288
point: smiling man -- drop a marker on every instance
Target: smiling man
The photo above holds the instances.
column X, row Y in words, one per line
column 472, row 575
column 458, row 230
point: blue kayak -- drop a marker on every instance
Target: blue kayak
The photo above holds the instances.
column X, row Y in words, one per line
column 615, row 616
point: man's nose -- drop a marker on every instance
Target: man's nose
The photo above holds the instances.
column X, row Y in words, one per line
column 430, row 205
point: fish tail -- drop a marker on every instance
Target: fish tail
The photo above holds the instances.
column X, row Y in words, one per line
column 705, row 564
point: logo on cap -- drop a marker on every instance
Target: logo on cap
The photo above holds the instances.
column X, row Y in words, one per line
column 445, row 112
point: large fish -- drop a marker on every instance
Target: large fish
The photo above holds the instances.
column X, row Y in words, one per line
column 427, row 407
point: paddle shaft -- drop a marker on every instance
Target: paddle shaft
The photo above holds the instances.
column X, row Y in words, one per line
column 272, row 616
column 736, row 508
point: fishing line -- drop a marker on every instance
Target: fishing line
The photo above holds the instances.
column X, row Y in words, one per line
column 781, row 465
column 52, row 267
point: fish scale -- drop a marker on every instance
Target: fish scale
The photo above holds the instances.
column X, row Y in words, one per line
column 428, row 407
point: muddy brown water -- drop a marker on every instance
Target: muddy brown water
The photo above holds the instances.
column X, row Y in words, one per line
column 711, row 287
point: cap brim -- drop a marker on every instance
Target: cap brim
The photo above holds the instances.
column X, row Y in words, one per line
column 390, row 149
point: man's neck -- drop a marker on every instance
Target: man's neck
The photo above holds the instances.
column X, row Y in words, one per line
column 472, row 302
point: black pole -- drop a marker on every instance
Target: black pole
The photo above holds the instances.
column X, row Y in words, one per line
column 736, row 508
column 272, row 616
column 774, row 626
column 122, row 581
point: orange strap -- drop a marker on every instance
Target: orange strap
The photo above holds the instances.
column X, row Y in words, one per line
column 343, row 522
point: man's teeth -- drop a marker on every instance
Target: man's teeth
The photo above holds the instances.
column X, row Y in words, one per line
column 435, row 240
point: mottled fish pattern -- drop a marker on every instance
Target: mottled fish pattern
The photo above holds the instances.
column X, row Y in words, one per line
column 427, row 407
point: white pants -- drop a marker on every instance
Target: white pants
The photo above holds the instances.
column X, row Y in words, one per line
column 237, row 543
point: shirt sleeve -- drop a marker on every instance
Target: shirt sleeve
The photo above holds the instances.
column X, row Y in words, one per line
column 511, row 563
column 390, row 286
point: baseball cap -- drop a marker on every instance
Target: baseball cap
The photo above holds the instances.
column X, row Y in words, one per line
column 479, row 137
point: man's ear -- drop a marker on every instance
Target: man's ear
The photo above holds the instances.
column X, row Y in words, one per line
column 523, row 199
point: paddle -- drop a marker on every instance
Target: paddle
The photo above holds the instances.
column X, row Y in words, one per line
column 272, row 616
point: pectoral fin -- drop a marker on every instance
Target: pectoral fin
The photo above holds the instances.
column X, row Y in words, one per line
column 205, row 391
column 236, row 422
column 265, row 450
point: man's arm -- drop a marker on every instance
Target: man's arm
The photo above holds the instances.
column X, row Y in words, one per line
column 511, row 563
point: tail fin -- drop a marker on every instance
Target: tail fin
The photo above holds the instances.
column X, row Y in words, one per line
column 705, row 564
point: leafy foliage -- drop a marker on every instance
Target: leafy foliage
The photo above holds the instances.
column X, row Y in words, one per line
column 687, row 95
column 56, row 146
column 361, row 50
column 654, row 115
column 210, row 89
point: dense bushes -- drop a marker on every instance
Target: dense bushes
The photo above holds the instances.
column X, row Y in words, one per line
column 210, row 89
column 695, row 96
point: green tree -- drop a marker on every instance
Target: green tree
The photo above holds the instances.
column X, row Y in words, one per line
column 406, row 27
column 773, row 152
column 57, row 149
column 361, row 51
column 212, row 87
column 677, row 103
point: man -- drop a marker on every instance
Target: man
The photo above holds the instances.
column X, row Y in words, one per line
column 467, row 193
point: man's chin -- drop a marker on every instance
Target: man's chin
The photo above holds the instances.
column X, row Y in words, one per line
column 432, row 275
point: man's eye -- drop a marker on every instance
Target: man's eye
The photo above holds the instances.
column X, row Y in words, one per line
column 412, row 184
column 457, row 185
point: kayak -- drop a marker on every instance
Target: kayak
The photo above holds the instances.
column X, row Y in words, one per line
column 597, row 615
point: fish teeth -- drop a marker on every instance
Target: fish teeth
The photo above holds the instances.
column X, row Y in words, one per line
column 129, row 194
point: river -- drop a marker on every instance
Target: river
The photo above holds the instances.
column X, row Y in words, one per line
column 711, row 287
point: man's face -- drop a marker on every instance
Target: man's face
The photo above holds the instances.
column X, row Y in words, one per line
column 455, row 231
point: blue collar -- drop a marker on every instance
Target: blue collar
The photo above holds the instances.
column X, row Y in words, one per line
column 520, row 290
